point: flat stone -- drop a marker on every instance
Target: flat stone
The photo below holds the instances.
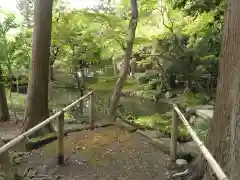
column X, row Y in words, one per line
column 72, row 127
column 205, row 113
column 128, row 127
column 159, row 134
column 190, row 147
column 207, row 107
column 162, row 143
column 181, row 162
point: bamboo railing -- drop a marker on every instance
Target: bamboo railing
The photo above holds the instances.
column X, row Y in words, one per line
column 60, row 133
column 173, row 148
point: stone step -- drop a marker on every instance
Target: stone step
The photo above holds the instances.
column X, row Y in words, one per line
column 205, row 113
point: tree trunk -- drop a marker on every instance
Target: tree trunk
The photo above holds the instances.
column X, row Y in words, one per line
column 4, row 113
column 223, row 139
column 80, row 84
column 52, row 77
column 127, row 56
column 37, row 102
column 114, row 66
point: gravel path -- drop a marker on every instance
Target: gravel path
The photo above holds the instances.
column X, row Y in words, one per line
column 103, row 154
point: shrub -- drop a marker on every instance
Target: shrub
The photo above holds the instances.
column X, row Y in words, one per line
column 192, row 99
column 149, row 75
column 162, row 123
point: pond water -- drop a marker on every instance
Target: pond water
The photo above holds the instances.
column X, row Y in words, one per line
column 136, row 106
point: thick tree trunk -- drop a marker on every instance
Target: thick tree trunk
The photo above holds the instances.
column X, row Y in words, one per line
column 127, row 56
column 223, row 139
column 4, row 113
column 37, row 102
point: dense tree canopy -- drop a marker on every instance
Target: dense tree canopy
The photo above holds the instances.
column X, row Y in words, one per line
column 183, row 34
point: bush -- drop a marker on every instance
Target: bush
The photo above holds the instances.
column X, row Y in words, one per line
column 149, row 75
column 192, row 99
column 162, row 123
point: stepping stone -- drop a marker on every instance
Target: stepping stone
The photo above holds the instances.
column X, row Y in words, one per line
column 205, row 114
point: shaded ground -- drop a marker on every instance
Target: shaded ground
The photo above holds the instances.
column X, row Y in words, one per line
column 104, row 154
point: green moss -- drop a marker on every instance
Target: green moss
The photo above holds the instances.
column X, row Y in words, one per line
column 192, row 99
column 161, row 123
column 34, row 143
column 104, row 84
column 201, row 130
column 42, row 138
column 17, row 100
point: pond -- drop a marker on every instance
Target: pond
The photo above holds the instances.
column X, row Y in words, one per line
column 136, row 106
column 139, row 106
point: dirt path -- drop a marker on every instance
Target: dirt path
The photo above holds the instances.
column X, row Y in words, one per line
column 103, row 154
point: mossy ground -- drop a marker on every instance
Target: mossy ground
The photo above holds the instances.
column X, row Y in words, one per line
column 91, row 143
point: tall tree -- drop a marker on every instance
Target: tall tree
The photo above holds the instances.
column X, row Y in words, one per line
column 4, row 113
column 223, row 139
column 126, row 60
column 7, row 24
column 37, row 103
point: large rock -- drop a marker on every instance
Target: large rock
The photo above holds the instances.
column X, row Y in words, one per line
column 191, row 148
column 207, row 107
column 205, row 113
column 163, row 143
column 181, row 162
column 183, row 149
column 168, row 94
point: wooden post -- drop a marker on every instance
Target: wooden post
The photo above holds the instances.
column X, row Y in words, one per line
column 174, row 133
column 91, row 110
column 60, row 144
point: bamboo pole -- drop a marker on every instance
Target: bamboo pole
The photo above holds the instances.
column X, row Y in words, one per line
column 214, row 165
column 31, row 131
column 76, row 102
column 60, row 144
column 174, row 132
column 91, row 110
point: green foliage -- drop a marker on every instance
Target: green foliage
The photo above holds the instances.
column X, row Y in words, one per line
column 161, row 123
column 192, row 99
column 202, row 131
column 148, row 76
column 15, row 52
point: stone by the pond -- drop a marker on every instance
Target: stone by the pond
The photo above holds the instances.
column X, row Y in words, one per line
column 181, row 162
column 159, row 134
column 190, row 110
column 207, row 107
column 205, row 113
column 191, row 148
column 198, row 122
column 168, row 94
column 162, row 143
column 192, row 119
